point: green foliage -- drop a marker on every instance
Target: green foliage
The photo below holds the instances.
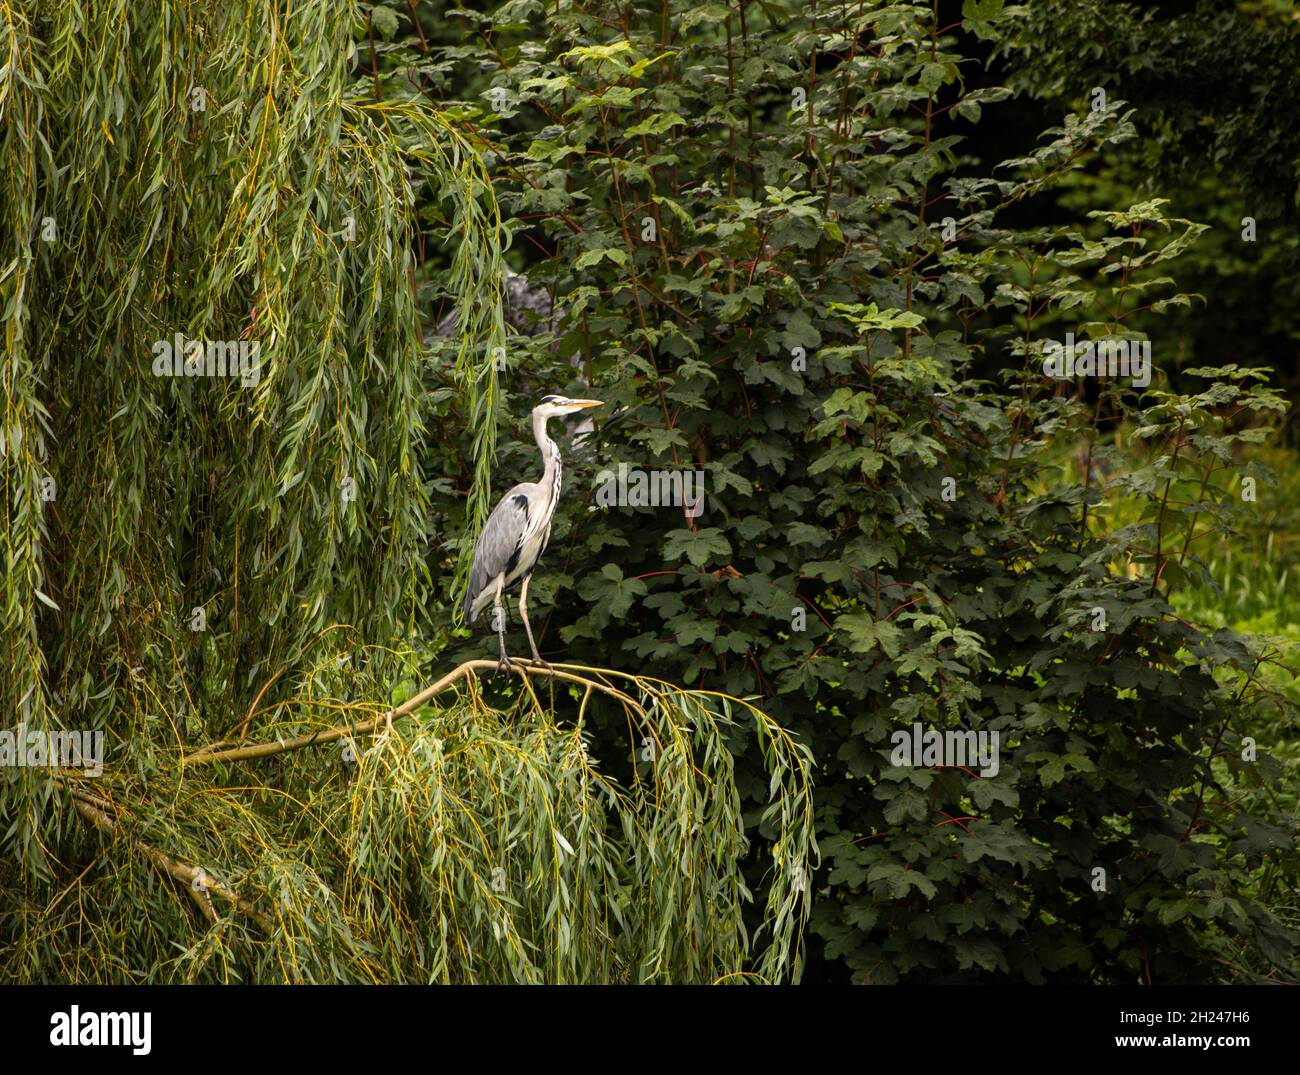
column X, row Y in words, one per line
column 278, row 507
column 793, row 248
column 741, row 210
column 229, row 172
column 1206, row 79
column 477, row 846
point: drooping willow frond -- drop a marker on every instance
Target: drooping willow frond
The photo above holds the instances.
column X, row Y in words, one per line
column 212, row 173
column 443, row 841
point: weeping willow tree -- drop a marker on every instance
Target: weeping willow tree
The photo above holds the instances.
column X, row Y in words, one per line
column 214, row 513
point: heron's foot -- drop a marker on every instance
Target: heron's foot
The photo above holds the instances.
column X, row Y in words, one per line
column 537, row 659
column 505, row 664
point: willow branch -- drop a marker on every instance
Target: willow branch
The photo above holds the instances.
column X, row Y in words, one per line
column 220, row 752
column 187, row 875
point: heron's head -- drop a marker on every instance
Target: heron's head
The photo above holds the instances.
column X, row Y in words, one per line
column 551, row 406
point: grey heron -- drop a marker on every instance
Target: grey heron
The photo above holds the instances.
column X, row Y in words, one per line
column 518, row 529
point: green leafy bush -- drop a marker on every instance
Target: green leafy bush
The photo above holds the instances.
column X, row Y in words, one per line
column 774, row 261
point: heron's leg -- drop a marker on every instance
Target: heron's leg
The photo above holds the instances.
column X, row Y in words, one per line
column 523, row 611
column 499, row 613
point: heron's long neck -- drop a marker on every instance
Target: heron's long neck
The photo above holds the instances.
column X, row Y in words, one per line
column 551, row 454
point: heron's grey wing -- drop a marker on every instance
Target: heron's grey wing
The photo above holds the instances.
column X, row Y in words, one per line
column 498, row 544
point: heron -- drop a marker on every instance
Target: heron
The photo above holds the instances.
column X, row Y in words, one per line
column 518, row 529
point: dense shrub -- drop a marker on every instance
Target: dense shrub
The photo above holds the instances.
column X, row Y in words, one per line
column 775, row 262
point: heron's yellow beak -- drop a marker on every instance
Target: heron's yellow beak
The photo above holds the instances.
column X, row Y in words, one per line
column 586, row 403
